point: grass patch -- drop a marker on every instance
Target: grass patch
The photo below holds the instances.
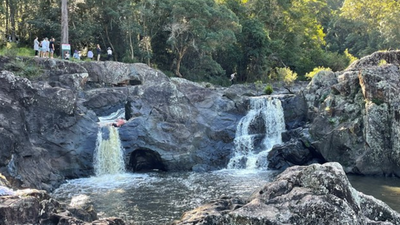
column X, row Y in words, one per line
column 27, row 68
column 12, row 50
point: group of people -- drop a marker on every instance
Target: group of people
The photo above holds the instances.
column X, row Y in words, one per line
column 44, row 48
column 90, row 54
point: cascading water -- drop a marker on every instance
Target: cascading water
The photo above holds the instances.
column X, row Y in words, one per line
column 257, row 133
column 151, row 198
column 108, row 155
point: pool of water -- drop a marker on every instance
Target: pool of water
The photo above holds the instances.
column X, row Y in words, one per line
column 386, row 189
column 159, row 198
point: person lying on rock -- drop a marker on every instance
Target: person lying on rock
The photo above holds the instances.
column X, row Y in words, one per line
column 119, row 122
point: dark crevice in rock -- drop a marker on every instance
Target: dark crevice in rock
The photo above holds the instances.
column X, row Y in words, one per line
column 143, row 159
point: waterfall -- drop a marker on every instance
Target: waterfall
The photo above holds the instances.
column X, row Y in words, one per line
column 108, row 155
column 257, row 133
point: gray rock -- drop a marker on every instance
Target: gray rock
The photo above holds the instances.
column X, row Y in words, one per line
column 45, row 133
column 32, row 206
column 355, row 115
column 315, row 194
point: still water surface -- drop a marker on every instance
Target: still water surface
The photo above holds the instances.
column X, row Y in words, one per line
column 160, row 198
column 386, row 189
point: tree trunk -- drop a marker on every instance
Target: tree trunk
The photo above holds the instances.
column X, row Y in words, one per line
column 7, row 21
column 13, row 11
column 64, row 22
column 131, row 47
column 179, row 60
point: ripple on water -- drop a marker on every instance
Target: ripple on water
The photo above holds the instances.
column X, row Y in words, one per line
column 159, row 198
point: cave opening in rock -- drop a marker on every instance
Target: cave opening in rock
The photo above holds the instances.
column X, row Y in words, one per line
column 144, row 159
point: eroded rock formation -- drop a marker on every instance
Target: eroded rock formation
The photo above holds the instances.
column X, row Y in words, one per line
column 355, row 115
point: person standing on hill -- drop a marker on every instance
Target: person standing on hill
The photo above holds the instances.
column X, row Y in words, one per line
column 45, row 47
column 90, row 55
column 52, row 47
column 109, row 53
column 98, row 51
column 36, row 46
column 233, row 76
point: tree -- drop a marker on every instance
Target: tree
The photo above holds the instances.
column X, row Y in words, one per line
column 64, row 21
column 199, row 26
column 379, row 22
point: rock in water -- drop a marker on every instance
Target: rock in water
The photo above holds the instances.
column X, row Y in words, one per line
column 315, row 194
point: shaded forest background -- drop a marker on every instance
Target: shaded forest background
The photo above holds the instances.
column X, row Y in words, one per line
column 206, row 40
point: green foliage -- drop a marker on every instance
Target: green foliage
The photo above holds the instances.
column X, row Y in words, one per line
column 184, row 36
column 24, row 68
column 268, row 89
column 12, row 50
column 349, row 56
column 316, row 70
column 286, row 75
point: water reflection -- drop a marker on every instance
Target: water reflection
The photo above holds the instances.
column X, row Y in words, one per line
column 386, row 189
column 159, row 198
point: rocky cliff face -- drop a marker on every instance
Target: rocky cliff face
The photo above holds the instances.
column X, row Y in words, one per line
column 355, row 115
column 46, row 137
column 315, row 194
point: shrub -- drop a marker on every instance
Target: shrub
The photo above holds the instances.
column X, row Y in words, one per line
column 311, row 74
column 286, row 74
column 349, row 56
column 10, row 50
column 27, row 68
column 268, row 89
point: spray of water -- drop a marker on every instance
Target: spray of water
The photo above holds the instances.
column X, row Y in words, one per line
column 108, row 155
column 257, row 133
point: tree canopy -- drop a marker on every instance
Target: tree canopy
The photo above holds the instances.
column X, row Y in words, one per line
column 207, row 40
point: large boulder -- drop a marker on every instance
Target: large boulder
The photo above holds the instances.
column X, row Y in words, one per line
column 355, row 115
column 315, row 194
column 32, row 206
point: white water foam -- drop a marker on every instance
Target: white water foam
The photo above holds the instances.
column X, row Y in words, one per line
column 250, row 151
column 108, row 155
column 106, row 120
